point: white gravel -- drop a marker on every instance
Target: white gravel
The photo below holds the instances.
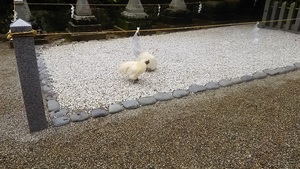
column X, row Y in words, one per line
column 86, row 76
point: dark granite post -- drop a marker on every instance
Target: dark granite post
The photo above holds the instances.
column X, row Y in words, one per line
column 29, row 76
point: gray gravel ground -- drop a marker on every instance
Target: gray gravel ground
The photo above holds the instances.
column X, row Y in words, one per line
column 249, row 125
column 10, row 90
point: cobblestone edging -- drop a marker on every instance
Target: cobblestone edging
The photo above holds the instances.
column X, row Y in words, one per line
column 60, row 116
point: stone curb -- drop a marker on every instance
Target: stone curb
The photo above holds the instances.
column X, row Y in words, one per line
column 60, row 113
column 271, row 72
column 81, row 116
column 53, row 105
column 145, row 101
column 59, row 116
column 297, row 65
column 195, row 88
column 60, row 121
column 212, row 86
column 236, row 80
column 247, row 78
column 160, row 96
column 131, row 104
column 225, row 82
column 259, row 75
column 180, row 93
column 115, row 108
column 99, row 113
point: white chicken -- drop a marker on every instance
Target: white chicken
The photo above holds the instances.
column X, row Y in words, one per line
column 142, row 55
column 152, row 60
column 125, row 66
column 133, row 69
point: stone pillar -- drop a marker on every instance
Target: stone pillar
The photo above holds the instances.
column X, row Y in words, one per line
column 83, row 8
column 177, row 5
column 83, row 11
column 134, row 10
column 22, row 9
column 83, row 20
column 134, row 16
column 29, row 76
column 177, row 13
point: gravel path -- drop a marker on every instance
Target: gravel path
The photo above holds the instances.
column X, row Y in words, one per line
column 85, row 74
column 10, row 91
column 249, row 125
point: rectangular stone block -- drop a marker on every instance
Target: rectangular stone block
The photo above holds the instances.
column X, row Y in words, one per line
column 29, row 76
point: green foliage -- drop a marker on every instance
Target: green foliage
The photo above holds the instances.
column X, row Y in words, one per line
column 51, row 20
column 6, row 15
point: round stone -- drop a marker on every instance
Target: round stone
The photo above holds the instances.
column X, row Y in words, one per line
column 286, row 69
column 131, row 104
column 225, row 82
column 44, row 82
column 259, row 75
column 163, row 96
column 53, row 105
column 44, row 72
column 41, row 64
column 48, row 80
column 247, row 78
column 196, row 88
column 50, row 95
column 291, row 67
column 271, row 72
column 297, row 65
column 79, row 116
column 99, row 113
column 281, row 70
column 236, row 80
column 46, row 88
column 144, row 101
column 60, row 113
column 44, row 76
column 115, row 108
column 60, row 121
column 212, row 86
column 180, row 93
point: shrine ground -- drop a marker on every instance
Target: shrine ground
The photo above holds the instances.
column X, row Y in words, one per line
column 250, row 125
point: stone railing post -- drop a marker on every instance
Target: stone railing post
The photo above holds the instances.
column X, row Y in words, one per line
column 23, row 43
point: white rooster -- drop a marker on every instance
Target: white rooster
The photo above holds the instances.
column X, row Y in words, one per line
column 133, row 69
column 152, row 60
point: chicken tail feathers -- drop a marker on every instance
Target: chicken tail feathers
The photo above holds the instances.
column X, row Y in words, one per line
column 125, row 66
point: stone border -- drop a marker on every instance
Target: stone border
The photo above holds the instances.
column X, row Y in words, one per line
column 60, row 117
